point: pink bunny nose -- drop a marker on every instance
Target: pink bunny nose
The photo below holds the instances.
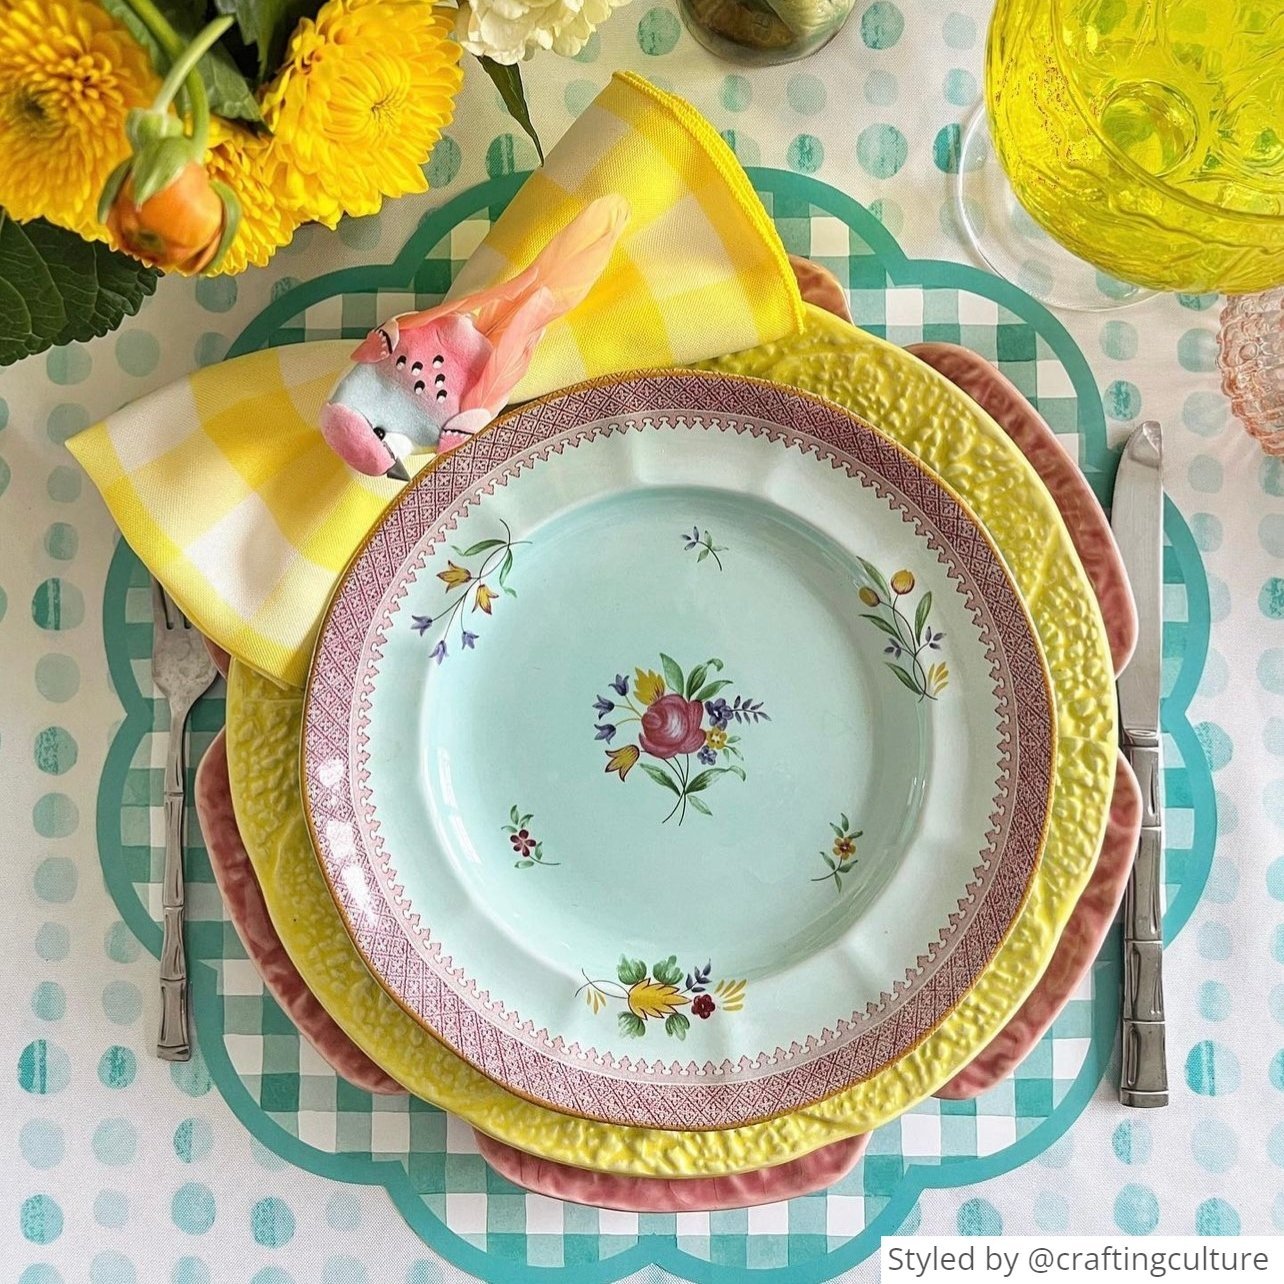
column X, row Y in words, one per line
column 352, row 437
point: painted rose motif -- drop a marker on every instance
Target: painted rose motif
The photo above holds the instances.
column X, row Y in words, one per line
column 678, row 715
column 659, row 993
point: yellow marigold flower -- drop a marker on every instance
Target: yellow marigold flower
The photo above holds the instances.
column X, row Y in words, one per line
column 647, row 686
column 902, row 583
column 365, row 90
column 453, row 576
column 69, row 74
column 716, row 738
column 650, row 998
column 622, row 759
column 244, row 162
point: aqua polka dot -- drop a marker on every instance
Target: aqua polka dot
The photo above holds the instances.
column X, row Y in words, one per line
column 1223, row 882
column 959, row 88
column 1277, row 943
column 55, row 879
column 120, row 944
column 1207, row 530
column 63, row 486
column 122, row 1002
column 1276, row 1002
column 1216, row 1217
column 1270, row 670
column 55, row 816
column 1197, row 350
column 578, row 94
column 1122, row 400
column 1273, row 736
column 211, row 347
column 806, row 154
column 1270, row 533
column 216, row 293
column 49, row 1001
column 190, row 1270
column 57, row 605
column 5, row 475
column 4, row 603
column 1273, row 802
column 1136, row 1210
column 1051, row 1212
column 1131, row 1141
column 1214, row 942
column 1198, row 302
column 111, row 1209
column 61, row 541
column 979, row 1217
column 1217, row 745
column 1276, row 1071
column 1213, row 1145
column 70, row 364
column 889, row 214
column 881, row 88
column 881, row 150
column 509, row 154
column 881, row 25
column 1275, row 878
column 658, row 32
column 1058, row 1154
column 40, row 1273
column 192, row 1208
column 41, row 1143
column 746, row 149
column 115, row 1142
column 959, row 31
column 137, row 352
column 1212, row 1069
column 53, row 941
column 271, row 1222
column 592, row 50
column 1119, row 340
column 4, row 414
column 737, row 93
column 272, row 1275
column 66, row 421
column 947, row 151
column 1272, row 476
column 57, row 678
column 40, row 1219
column 1277, row 1211
column 343, row 1212
column 1275, row 1145
column 1270, row 601
column 193, row 1140
column 429, row 1272
column 117, row 1067
column 1205, row 474
column 112, row 1268
column 55, row 751
column 191, row 1077
column 264, row 1157
column 806, row 94
column 43, row 1068
column 343, row 1270
column 360, row 233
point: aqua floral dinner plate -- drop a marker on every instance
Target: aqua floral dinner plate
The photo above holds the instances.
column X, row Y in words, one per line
column 680, row 752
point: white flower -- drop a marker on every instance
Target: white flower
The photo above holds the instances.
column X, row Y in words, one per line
column 510, row 30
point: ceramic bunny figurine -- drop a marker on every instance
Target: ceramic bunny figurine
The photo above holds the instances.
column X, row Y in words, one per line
column 432, row 379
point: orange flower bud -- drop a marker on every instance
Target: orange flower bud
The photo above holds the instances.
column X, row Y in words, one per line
column 179, row 228
column 868, row 596
column 902, row 583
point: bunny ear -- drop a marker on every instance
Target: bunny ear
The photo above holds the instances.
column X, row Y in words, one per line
column 514, row 347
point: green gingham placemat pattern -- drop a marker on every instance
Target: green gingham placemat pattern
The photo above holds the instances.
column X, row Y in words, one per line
column 298, row 1107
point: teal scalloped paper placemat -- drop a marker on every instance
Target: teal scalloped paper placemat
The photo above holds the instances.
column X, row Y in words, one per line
column 429, row 1164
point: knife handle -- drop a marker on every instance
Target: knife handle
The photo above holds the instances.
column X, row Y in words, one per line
column 1144, row 1079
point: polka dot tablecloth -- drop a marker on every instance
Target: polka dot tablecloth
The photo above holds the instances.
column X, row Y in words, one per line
column 119, row 1168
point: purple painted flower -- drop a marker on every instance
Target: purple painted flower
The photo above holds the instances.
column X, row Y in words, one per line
column 621, row 684
column 468, row 639
column 604, row 732
column 603, row 705
column 439, row 651
column 694, row 538
column 707, row 756
column 421, row 623
column 719, row 712
column 934, row 640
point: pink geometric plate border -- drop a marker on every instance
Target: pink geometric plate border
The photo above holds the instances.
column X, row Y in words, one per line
column 402, row 952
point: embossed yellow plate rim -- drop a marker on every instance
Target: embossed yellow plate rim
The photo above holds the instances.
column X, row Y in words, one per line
column 951, row 435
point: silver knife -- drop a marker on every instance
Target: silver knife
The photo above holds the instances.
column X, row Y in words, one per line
column 1137, row 519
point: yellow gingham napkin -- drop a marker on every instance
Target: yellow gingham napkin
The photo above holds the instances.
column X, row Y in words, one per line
column 222, row 483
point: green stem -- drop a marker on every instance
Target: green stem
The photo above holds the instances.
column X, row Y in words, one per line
column 183, row 74
column 156, row 22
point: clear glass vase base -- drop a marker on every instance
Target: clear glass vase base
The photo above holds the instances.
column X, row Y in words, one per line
column 1005, row 239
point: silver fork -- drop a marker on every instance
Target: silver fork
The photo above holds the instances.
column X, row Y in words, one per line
column 182, row 671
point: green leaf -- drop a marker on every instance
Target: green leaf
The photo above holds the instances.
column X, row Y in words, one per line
column 695, row 678
column 887, row 627
column 525, row 864
column 711, row 689
column 920, row 616
column 672, row 673
column 504, row 567
column 661, row 777
column 630, row 971
column 514, row 815
column 839, row 830
column 508, row 80
column 829, row 860
column 268, row 24
column 480, row 547
column 56, row 288
column 677, row 1025
column 631, row 1027
column 511, row 592
column 715, row 663
column 699, row 805
column 704, row 552
column 230, row 94
column 847, row 824
column 667, row 970
column 875, row 577
column 904, row 677
column 698, row 784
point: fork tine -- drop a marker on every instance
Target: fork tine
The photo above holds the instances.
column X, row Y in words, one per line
column 160, row 605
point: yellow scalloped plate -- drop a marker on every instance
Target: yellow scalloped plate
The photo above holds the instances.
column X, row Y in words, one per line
column 951, row 435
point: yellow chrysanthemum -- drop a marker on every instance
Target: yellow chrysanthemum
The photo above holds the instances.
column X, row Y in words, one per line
column 269, row 218
column 364, row 93
column 69, row 74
